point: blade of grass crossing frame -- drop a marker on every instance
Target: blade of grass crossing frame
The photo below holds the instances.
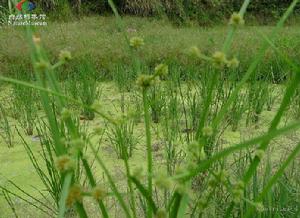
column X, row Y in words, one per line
column 111, row 182
column 64, row 195
column 252, row 67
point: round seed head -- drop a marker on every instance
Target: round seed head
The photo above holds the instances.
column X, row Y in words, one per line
column 233, row 63
column 195, row 52
column 64, row 163
column 42, row 65
column 259, row 207
column 237, row 195
column 36, row 39
column 99, row 192
column 162, row 181
column 219, row 59
column 65, row 56
column 144, row 81
column 136, row 42
column 236, row 19
column 75, row 195
column 161, row 70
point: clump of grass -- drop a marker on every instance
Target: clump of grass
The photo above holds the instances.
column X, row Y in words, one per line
column 25, row 107
column 5, row 128
column 238, row 109
column 257, row 99
column 9, row 201
column 84, row 86
column 122, row 138
column 156, row 102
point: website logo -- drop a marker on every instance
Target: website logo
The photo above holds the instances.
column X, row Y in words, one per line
column 26, row 5
column 27, row 17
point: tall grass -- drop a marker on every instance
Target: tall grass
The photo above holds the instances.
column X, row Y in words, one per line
column 5, row 128
column 185, row 115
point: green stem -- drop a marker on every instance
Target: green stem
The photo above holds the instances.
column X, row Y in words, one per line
column 243, row 145
column 81, row 211
column 131, row 191
column 206, row 106
column 149, row 147
column 93, row 184
column 232, row 30
column 111, row 181
column 274, row 179
column 64, row 195
column 176, row 205
column 284, row 104
column 252, row 67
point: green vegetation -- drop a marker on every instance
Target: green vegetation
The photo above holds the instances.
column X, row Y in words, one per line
column 132, row 117
column 179, row 12
column 90, row 39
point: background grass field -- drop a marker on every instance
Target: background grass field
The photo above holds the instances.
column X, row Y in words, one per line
column 171, row 112
column 90, row 38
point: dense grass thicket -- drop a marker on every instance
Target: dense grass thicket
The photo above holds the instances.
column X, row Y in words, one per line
column 203, row 12
column 131, row 117
column 91, row 39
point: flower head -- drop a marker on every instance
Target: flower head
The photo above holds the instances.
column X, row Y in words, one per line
column 65, row 56
column 236, row 19
column 145, row 81
column 36, row 39
column 75, row 195
column 42, row 65
column 237, row 195
column 259, row 206
column 64, row 163
column 195, row 52
column 219, row 59
column 161, row 70
column 99, row 192
column 163, row 181
column 136, row 42
column 233, row 63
